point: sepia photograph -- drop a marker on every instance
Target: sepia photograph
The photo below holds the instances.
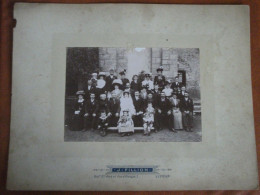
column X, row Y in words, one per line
column 132, row 95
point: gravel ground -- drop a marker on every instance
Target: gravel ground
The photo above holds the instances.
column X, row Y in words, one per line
column 162, row 136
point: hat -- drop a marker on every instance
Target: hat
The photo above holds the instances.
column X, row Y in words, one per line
column 122, row 73
column 148, row 74
column 117, row 82
column 125, row 92
column 159, row 69
column 80, row 93
column 94, row 73
column 168, row 82
column 101, row 74
column 111, row 70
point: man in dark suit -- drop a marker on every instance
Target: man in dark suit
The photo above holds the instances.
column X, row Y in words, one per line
column 90, row 88
column 156, row 95
column 164, row 114
column 182, row 93
column 160, row 79
column 90, row 113
column 114, row 110
column 139, row 108
column 176, row 85
column 187, row 112
column 109, row 80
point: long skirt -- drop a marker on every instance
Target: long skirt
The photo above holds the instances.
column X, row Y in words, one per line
column 177, row 119
column 77, row 122
column 187, row 120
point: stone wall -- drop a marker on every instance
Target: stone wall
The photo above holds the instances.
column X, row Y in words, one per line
column 114, row 58
column 173, row 60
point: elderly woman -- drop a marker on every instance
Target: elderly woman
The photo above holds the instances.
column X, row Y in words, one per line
column 176, row 112
column 78, row 115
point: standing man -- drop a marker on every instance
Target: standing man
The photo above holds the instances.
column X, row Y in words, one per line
column 109, row 80
column 182, row 94
column 90, row 114
column 164, row 114
column 128, row 89
column 187, row 112
column 160, row 79
column 114, row 110
column 156, row 94
column 90, row 88
column 176, row 85
column 124, row 80
column 139, row 108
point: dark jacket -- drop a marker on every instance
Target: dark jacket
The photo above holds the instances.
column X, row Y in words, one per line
column 138, row 104
column 124, row 81
column 160, row 82
column 80, row 106
column 102, row 105
column 156, row 96
column 90, row 107
column 88, row 91
column 114, row 106
column 175, row 86
column 109, row 82
column 186, row 105
column 164, row 106
column 135, row 86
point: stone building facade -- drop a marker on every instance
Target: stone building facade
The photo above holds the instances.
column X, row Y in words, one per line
column 182, row 62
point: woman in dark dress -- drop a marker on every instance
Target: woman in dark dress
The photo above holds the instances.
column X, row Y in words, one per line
column 78, row 115
column 135, row 84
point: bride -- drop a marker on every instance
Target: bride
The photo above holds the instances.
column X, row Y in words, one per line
column 126, row 103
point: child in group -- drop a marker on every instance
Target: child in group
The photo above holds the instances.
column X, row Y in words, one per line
column 125, row 124
column 148, row 118
column 103, row 123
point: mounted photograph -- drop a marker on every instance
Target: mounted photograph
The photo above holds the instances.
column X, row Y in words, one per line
column 132, row 94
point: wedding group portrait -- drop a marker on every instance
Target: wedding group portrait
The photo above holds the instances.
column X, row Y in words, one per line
column 132, row 94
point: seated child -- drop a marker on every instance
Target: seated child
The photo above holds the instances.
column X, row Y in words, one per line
column 148, row 118
column 125, row 124
column 103, row 123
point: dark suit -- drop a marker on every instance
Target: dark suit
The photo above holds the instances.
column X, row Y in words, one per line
column 175, row 86
column 88, row 90
column 162, row 117
column 90, row 109
column 135, row 86
column 187, row 118
column 109, row 82
column 156, row 96
column 139, row 107
column 113, row 107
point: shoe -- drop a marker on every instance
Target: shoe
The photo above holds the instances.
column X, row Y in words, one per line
column 174, row 130
column 122, row 134
column 83, row 130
